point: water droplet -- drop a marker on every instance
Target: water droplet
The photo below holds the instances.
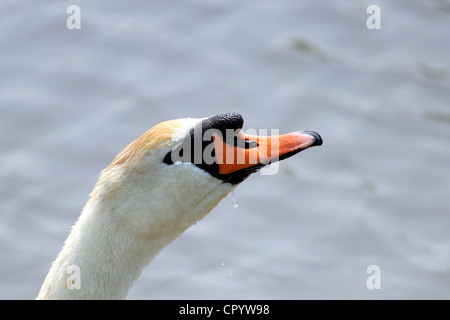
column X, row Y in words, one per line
column 235, row 201
column 222, row 263
column 231, row 274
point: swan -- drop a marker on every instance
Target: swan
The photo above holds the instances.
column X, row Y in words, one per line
column 154, row 189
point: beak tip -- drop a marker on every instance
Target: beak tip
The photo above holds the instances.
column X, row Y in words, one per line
column 317, row 138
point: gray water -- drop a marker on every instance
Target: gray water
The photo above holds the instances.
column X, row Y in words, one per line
column 376, row 193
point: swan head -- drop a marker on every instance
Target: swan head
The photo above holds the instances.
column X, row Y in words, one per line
column 176, row 172
column 154, row 189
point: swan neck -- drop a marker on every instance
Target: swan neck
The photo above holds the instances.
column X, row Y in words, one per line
column 100, row 258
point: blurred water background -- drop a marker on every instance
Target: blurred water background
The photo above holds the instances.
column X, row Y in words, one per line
column 376, row 193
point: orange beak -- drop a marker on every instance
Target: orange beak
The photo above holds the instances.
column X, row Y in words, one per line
column 256, row 151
